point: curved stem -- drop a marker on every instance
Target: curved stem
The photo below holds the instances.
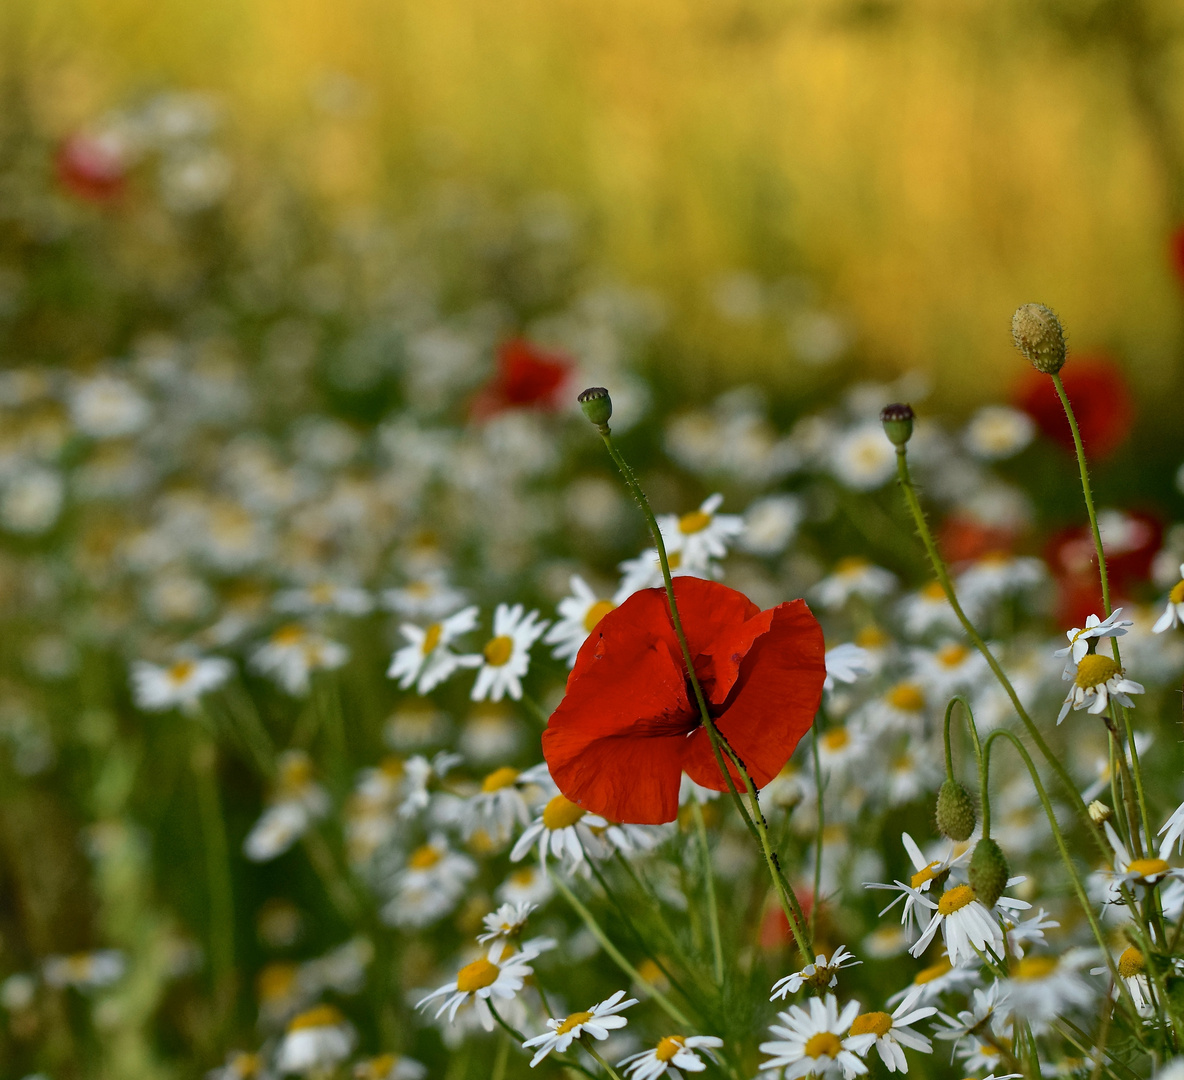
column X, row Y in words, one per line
column 980, row 758
column 566, row 1061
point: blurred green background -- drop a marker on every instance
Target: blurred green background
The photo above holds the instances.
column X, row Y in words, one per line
column 927, row 166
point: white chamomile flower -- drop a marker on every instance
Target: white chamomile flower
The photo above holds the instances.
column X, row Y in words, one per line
column 324, row 596
column 673, row 1051
column 936, row 980
column 506, row 656
column 429, row 885
column 579, row 614
column 293, row 653
column 1080, row 637
column 1173, row 614
column 241, row 1066
column 1132, row 969
column 861, row 459
column 390, row 1067
column 504, row 802
column 701, row 535
column 316, row 1041
column 563, row 830
column 967, row 926
column 949, row 669
column 854, row 576
column 981, row 1017
column 507, row 923
column 1173, row 830
column 770, row 524
column 928, row 609
column 927, row 872
column 1098, row 679
column 845, row 664
column 180, row 685
column 597, row 1021
column 84, row 971
column 819, row 975
column 426, row 660
column 998, row 574
column 1044, row 987
column 1136, row 873
column 816, row 1041
column 492, row 976
column 892, row 1031
column 428, row 597
column 645, row 571
column 996, row 432
column 297, row 802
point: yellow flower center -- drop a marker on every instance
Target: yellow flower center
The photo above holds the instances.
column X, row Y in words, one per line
column 695, row 521
column 952, row 655
column 320, row 1016
column 907, row 697
column 573, row 1021
column 1147, row 868
column 873, row 1023
column 669, row 1046
column 936, row 971
column 431, row 637
column 1093, row 670
column 322, row 594
column 295, row 773
column 476, row 976
column 955, row 899
column 835, row 739
column 851, row 566
column 933, row 591
column 1131, row 963
column 378, row 1068
column 1035, row 967
column 561, row 813
column 424, row 858
column 996, row 558
column 499, row 650
column 597, row 612
column 181, row 670
column 391, row 767
column 276, row 981
column 674, row 559
column 499, row 778
column 1176, row 596
column 292, row 634
column 871, row 637
column 246, row 1065
column 524, row 877
column 824, row 1044
column 922, row 876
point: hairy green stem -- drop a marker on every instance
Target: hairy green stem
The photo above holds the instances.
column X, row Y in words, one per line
column 979, row 758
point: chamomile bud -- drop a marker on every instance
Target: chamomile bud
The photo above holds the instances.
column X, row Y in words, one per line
column 1038, row 334
column 955, row 811
column 898, row 422
column 1099, row 812
column 988, row 872
column 597, row 406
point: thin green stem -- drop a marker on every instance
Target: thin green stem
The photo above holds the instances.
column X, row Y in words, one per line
column 717, row 947
column 499, row 1062
column 615, row 954
column 570, row 1063
column 979, row 757
column 821, row 827
column 535, row 709
column 587, row 1045
column 217, row 853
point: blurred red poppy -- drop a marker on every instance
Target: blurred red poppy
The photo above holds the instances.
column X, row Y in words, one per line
column 628, row 727
column 964, row 538
column 527, row 376
column 1176, row 252
column 93, row 167
column 1101, row 402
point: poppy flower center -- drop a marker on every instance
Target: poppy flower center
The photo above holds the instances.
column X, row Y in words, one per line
column 907, row 697
column 935, row 971
column 431, row 637
column 1147, row 868
column 955, row 899
column 424, row 858
column 498, row 779
column 476, row 976
column 321, row 1016
column 1131, row 963
column 573, row 1021
column 695, row 521
column 597, row 612
column 181, row 670
column 824, row 1044
column 1176, row 596
column 922, row 876
column 1035, row 967
column 499, row 650
column 669, row 1046
column 561, row 813
column 872, row 1023
column 1094, row 670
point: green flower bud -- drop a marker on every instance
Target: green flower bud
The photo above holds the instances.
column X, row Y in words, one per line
column 988, row 872
column 955, row 811
column 1038, row 334
column 898, row 423
column 597, row 405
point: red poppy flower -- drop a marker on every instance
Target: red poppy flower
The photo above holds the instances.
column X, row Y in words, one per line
column 527, row 376
column 92, row 167
column 628, row 727
column 964, row 538
column 1176, row 252
column 1101, row 402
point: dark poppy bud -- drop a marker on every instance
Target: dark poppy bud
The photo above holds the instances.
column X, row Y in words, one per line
column 898, row 423
column 597, row 405
column 988, row 872
column 1038, row 334
column 955, row 811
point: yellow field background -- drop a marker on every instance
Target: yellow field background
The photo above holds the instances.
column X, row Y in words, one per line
column 929, row 164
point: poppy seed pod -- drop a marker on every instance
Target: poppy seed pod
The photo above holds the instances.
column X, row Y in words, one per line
column 1038, row 334
column 898, row 423
column 597, row 405
column 988, row 872
column 955, row 811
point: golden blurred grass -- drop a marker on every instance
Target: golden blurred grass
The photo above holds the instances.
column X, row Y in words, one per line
column 931, row 164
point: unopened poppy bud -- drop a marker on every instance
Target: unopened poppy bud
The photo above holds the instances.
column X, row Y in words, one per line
column 1099, row 812
column 898, row 423
column 597, row 405
column 955, row 811
column 1038, row 334
column 988, row 872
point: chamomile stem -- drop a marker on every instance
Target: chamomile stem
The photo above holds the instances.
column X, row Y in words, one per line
column 217, row 852
column 717, row 948
column 499, row 1062
column 943, row 577
column 587, row 1045
column 818, row 794
column 615, row 954
column 755, row 821
column 979, row 757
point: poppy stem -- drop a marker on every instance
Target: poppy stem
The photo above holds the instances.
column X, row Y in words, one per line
column 719, row 744
column 984, row 795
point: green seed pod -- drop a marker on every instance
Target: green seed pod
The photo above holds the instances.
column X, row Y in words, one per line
column 1038, row 334
column 988, row 872
column 955, row 811
column 898, row 423
column 597, row 405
